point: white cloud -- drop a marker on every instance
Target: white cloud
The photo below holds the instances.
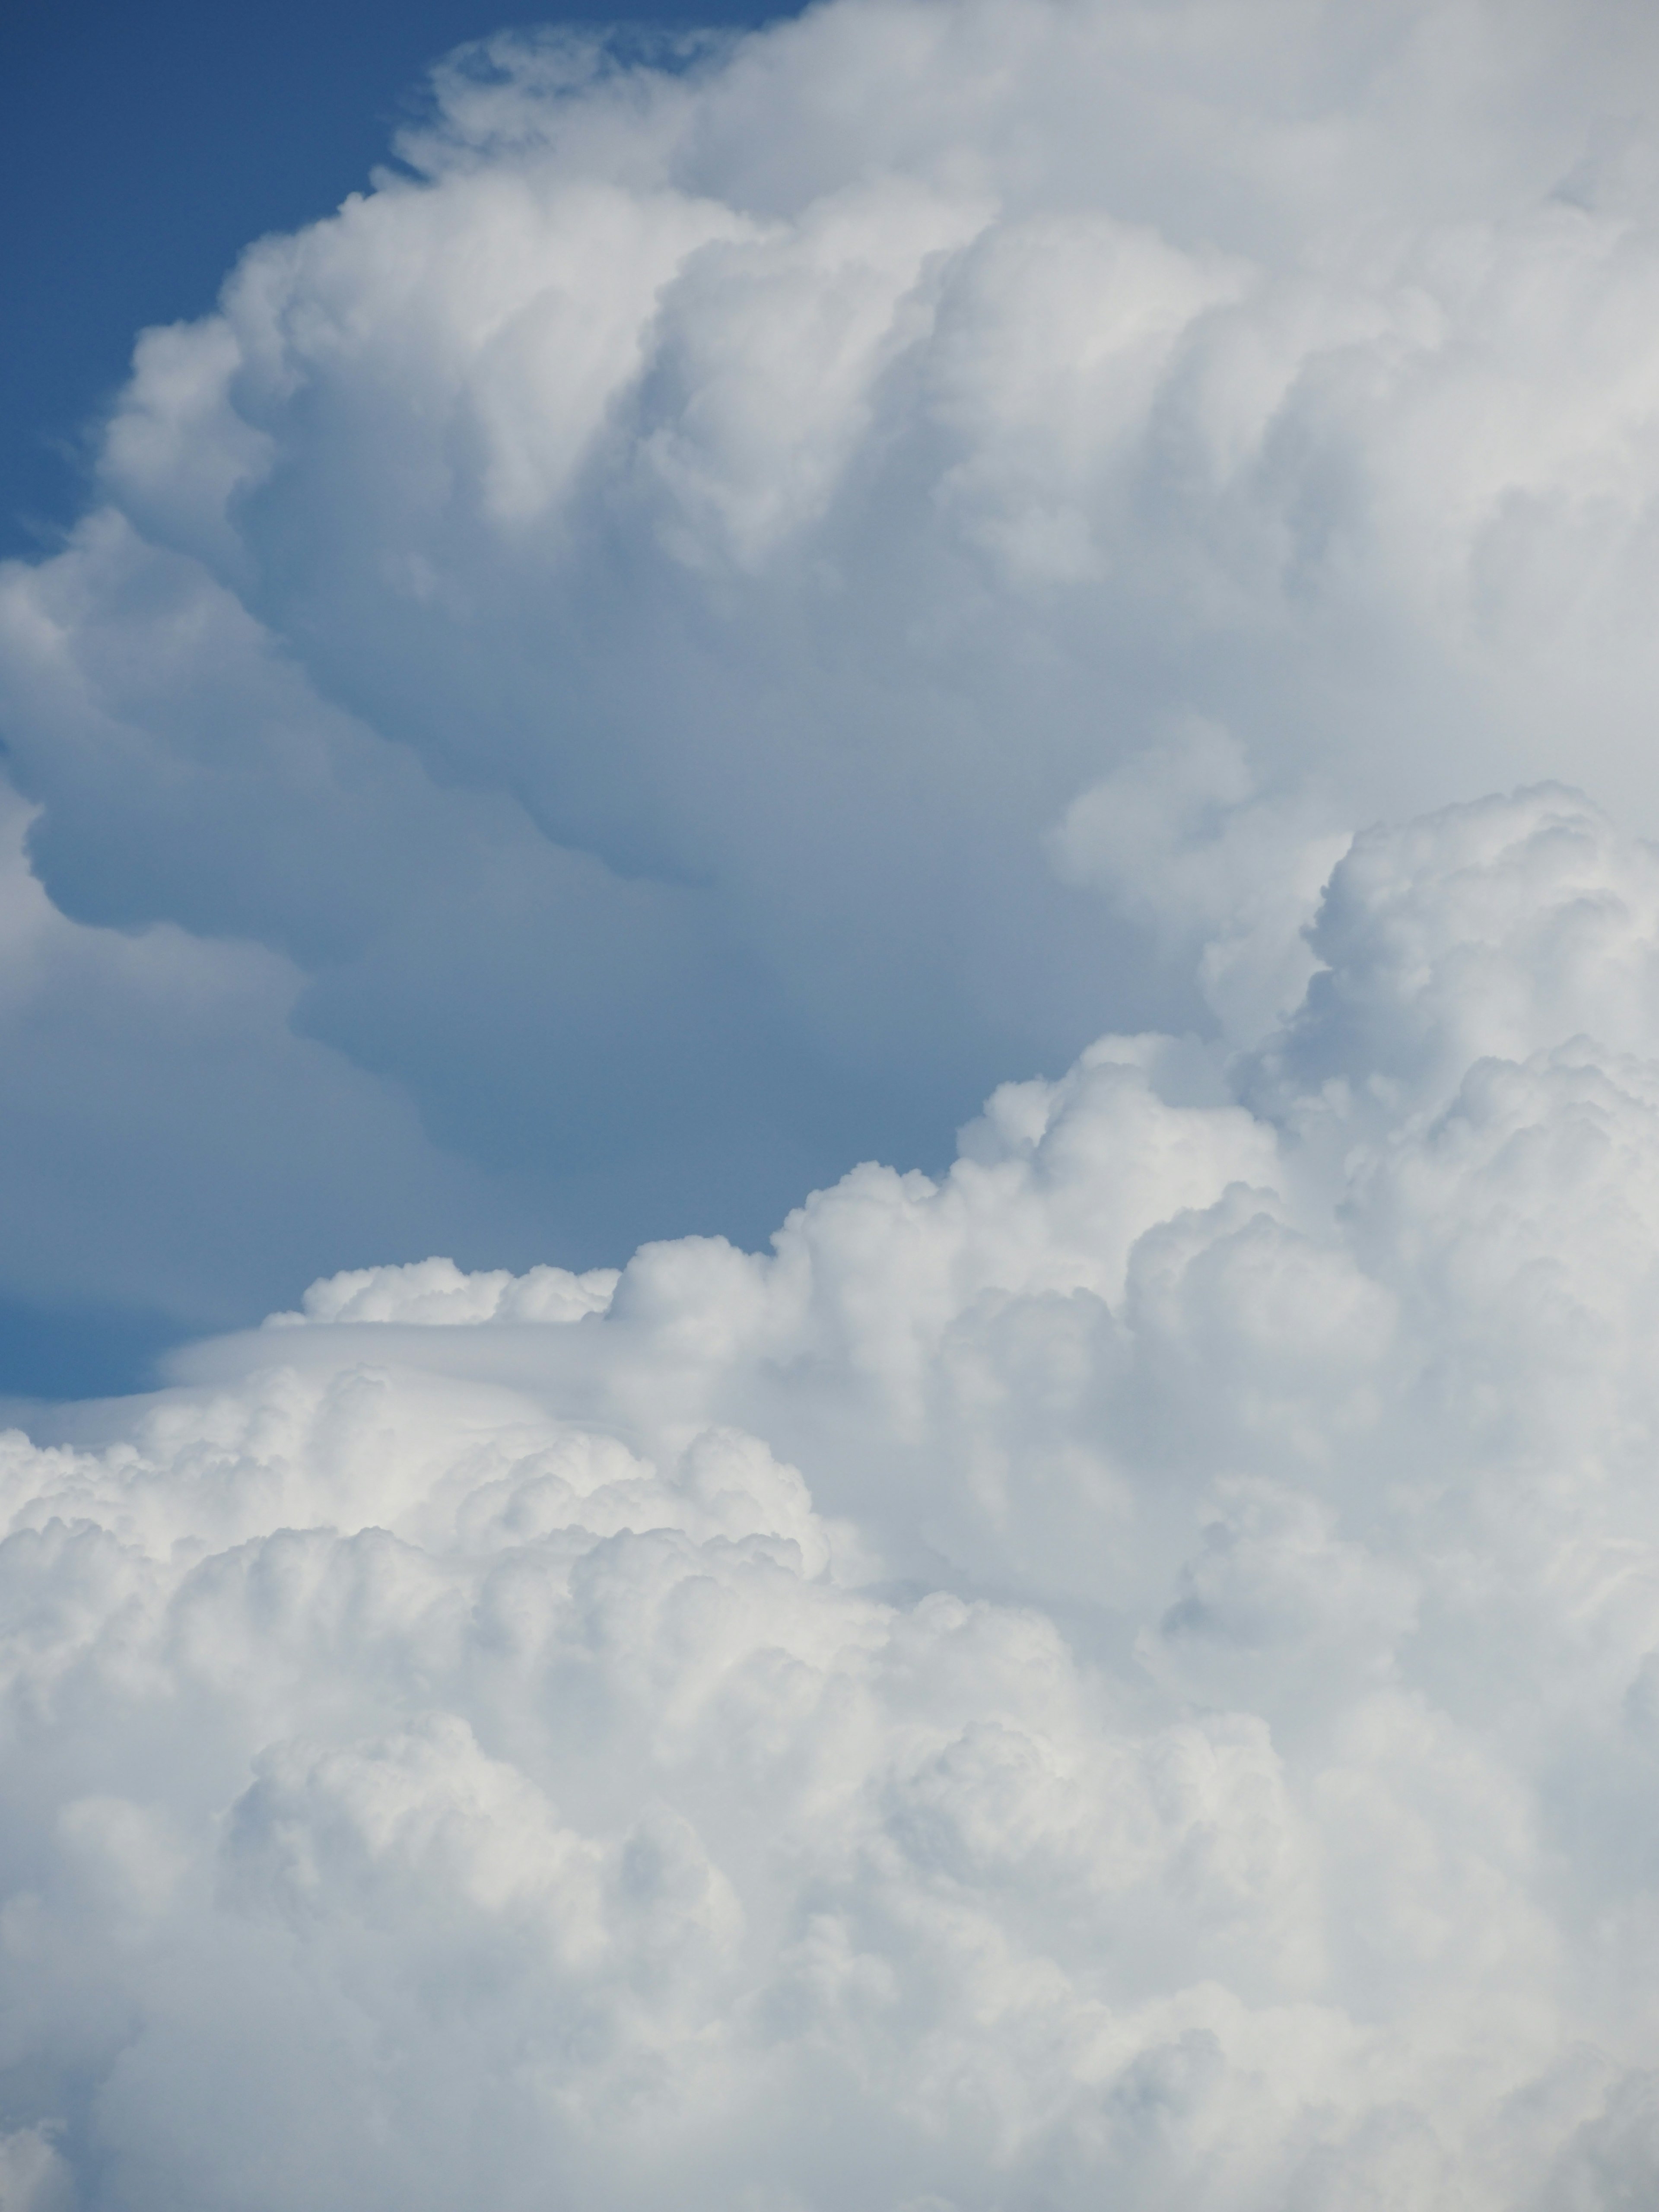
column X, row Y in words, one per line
column 1124, row 1670
column 634, row 605
column 671, row 644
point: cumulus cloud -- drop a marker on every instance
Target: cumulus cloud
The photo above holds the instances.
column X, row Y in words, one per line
column 1122, row 1672
column 740, row 594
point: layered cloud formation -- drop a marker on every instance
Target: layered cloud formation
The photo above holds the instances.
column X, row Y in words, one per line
column 734, row 601
column 728, row 605
column 1126, row 1673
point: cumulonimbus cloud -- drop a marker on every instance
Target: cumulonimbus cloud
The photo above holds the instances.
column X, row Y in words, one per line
column 1125, row 1672
column 727, row 604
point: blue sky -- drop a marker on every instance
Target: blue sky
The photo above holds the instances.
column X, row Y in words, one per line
column 142, row 147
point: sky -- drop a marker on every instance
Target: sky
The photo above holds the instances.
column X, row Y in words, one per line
column 829, row 1043
column 140, row 150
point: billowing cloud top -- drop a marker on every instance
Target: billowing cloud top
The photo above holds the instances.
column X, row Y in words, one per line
column 1128, row 1674
column 731, row 603
column 726, row 606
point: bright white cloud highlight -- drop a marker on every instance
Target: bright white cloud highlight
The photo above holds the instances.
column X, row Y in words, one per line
column 1124, row 1674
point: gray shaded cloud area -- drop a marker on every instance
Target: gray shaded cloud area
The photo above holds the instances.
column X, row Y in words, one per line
column 721, row 615
column 556, row 727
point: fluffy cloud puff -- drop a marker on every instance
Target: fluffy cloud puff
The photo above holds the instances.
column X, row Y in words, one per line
column 729, row 601
column 1128, row 1671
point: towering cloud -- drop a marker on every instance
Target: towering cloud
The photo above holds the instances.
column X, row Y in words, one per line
column 742, row 596
column 1125, row 1674
column 733, row 600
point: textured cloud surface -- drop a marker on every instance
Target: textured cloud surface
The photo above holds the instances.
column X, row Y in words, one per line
column 1128, row 1674
column 722, row 609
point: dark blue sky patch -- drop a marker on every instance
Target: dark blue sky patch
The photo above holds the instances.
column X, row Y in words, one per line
column 140, row 148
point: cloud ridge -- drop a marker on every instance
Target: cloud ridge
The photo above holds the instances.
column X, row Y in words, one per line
column 660, row 614
column 1127, row 1667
